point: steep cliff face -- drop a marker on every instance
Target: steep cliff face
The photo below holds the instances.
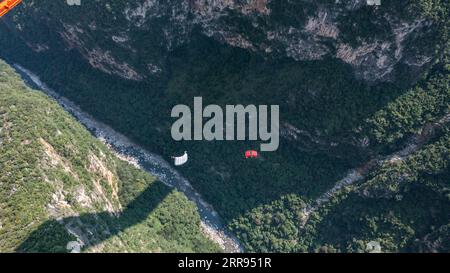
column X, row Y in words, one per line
column 131, row 39
column 358, row 88
column 62, row 190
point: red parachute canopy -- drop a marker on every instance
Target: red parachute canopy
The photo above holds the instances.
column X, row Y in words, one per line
column 251, row 154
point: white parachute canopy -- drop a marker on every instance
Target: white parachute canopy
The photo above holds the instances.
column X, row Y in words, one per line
column 181, row 159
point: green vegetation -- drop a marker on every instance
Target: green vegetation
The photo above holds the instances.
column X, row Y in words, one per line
column 403, row 204
column 399, row 206
column 56, row 177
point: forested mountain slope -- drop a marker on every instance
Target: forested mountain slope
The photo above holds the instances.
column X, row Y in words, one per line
column 58, row 184
column 363, row 94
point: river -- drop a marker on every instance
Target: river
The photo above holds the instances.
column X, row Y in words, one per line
column 154, row 164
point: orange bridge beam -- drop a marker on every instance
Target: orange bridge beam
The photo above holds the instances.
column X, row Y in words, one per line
column 7, row 5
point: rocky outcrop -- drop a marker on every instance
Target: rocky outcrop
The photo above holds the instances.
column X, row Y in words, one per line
column 301, row 30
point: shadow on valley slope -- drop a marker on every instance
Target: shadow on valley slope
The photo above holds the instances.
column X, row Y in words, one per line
column 322, row 100
column 328, row 113
column 317, row 98
column 95, row 228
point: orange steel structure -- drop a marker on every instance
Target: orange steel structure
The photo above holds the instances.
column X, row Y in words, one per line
column 7, row 5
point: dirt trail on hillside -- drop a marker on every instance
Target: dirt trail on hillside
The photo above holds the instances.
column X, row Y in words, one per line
column 413, row 144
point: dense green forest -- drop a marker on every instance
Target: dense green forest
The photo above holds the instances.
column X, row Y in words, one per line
column 59, row 184
column 404, row 205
